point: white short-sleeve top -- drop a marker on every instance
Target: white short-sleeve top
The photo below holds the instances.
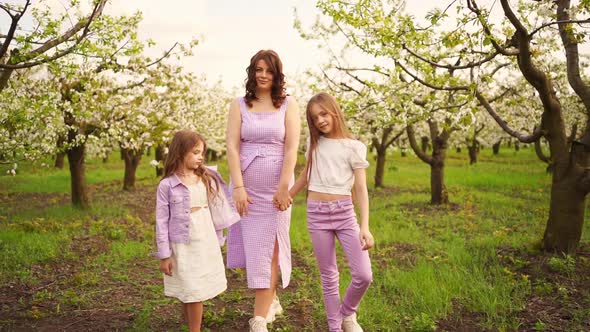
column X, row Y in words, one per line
column 333, row 164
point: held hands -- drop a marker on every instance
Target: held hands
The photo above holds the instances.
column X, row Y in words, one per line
column 366, row 238
column 241, row 199
column 166, row 266
column 282, row 200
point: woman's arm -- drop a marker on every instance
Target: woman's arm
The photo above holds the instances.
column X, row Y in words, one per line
column 292, row 132
column 233, row 134
column 362, row 200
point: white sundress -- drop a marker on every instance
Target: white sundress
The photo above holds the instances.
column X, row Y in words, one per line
column 198, row 272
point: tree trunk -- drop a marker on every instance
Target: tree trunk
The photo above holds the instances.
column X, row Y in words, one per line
column 380, row 168
column 472, row 154
column 159, row 154
column 59, row 160
column 59, row 157
column 566, row 216
column 516, row 146
column 132, row 159
column 404, row 152
column 76, row 157
column 438, row 191
column 458, row 149
column 496, row 147
column 212, row 155
column 424, row 142
column 473, row 151
column 5, row 77
column 569, row 187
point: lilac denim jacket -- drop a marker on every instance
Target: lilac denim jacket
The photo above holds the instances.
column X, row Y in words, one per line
column 173, row 212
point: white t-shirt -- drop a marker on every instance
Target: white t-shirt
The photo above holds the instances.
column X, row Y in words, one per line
column 333, row 163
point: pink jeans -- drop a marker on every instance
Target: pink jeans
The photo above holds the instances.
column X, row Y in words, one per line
column 325, row 222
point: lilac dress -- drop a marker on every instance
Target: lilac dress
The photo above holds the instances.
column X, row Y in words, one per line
column 251, row 240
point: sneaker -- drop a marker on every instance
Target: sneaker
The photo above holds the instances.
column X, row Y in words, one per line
column 275, row 310
column 258, row 324
column 349, row 324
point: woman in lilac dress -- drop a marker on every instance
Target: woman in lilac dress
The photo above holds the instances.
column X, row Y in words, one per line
column 262, row 140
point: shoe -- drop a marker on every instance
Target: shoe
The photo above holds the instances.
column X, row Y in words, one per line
column 349, row 324
column 258, row 324
column 275, row 310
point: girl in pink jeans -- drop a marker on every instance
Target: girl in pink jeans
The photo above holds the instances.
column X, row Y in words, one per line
column 335, row 162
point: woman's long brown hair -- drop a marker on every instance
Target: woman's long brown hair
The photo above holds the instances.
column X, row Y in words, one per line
column 182, row 143
column 274, row 63
column 330, row 105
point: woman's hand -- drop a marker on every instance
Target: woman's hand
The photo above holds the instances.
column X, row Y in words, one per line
column 241, row 199
column 282, row 200
column 366, row 238
column 166, row 265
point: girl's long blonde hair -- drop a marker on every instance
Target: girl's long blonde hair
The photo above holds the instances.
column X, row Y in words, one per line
column 182, row 143
column 340, row 130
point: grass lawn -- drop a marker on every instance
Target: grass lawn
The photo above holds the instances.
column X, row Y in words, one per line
column 473, row 264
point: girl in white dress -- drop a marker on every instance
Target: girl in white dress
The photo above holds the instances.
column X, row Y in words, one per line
column 188, row 247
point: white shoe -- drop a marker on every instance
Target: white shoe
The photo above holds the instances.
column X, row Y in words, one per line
column 349, row 324
column 275, row 310
column 258, row 324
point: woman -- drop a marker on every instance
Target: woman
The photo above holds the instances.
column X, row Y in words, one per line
column 262, row 139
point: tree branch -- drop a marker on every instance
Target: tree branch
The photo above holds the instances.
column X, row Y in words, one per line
column 573, row 133
column 166, row 54
column 417, row 149
column 537, row 133
column 393, row 138
column 500, row 96
column 532, row 74
column 572, row 55
column 465, row 66
column 83, row 24
column 446, row 107
column 362, row 69
column 127, row 87
column 349, row 88
column 13, row 26
column 512, row 17
column 539, row 152
column 486, row 29
column 477, row 131
column 432, row 86
column 506, row 64
column 7, row 10
column 558, row 22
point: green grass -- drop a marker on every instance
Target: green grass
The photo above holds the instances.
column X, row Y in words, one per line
column 21, row 249
column 429, row 262
column 40, row 177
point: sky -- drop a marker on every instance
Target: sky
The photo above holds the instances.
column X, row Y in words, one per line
column 231, row 31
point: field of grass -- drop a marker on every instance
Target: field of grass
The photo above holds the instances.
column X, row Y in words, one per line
column 473, row 264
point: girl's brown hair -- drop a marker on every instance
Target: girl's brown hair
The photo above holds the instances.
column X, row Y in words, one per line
column 330, row 105
column 274, row 63
column 182, row 143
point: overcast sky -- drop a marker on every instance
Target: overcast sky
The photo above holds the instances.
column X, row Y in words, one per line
column 232, row 31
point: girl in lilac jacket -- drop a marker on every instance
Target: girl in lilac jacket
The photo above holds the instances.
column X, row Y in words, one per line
column 192, row 207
